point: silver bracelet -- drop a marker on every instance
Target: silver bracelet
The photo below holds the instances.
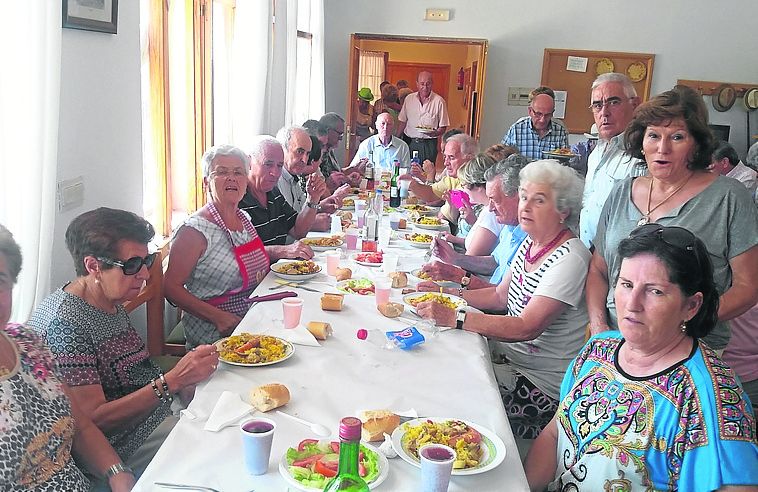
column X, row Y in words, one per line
column 116, row 469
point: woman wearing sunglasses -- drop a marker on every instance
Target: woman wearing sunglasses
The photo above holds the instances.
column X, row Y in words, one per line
column 652, row 407
column 671, row 133
column 98, row 352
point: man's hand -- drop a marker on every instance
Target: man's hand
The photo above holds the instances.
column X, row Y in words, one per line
column 429, row 169
column 442, row 316
column 443, row 271
column 298, row 250
column 336, row 179
column 341, row 192
column 330, row 204
column 417, row 172
column 443, row 249
column 315, row 188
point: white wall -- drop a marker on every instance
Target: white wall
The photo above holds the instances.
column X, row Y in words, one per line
column 100, row 129
column 692, row 39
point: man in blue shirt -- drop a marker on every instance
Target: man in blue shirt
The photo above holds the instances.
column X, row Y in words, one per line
column 537, row 133
column 384, row 146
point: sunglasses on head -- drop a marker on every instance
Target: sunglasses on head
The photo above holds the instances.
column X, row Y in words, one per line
column 678, row 237
column 132, row 265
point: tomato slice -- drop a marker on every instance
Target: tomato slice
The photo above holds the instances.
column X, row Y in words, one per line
column 305, row 442
column 307, row 462
column 324, row 470
column 362, row 470
column 335, row 447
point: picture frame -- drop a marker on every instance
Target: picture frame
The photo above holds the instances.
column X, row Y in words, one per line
column 91, row 15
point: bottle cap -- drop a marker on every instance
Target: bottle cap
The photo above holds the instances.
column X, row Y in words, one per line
column 350, row 429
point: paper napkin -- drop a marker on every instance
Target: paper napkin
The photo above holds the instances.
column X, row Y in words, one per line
column 298, row 335
column 229, row 409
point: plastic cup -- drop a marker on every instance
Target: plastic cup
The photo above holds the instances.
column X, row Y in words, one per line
column 257, row 436
column 395, row 221
column 351, row 238
column 404, row 185
column 385, row 233
column 292, row 309
column 360, row 207
column 436, row 466
column 389, row 262
column 332, row 262
column 382, row 291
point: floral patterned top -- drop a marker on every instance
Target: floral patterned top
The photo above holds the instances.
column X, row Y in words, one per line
column 36, row 425
column 687, row 428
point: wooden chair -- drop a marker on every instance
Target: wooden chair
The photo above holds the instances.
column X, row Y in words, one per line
column 152, row 297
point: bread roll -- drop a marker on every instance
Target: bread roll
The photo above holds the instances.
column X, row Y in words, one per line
column 343, row 274
column 269, row 396
column 332, row 302
column 319, row 329
column 376, row 423
column 391, row 309
column 399, row 279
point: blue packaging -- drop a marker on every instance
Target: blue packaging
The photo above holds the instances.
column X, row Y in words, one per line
column 406, row 338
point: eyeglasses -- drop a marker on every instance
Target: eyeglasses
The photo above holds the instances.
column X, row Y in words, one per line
column 223, row 172
column 539, row 115
column 611, row 103
column 339, row 133
column 133, row 264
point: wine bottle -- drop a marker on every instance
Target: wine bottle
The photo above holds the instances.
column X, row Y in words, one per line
column 348, row 478
column 369, row 174
column 395, row 185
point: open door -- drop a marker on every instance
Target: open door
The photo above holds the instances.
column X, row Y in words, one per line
column 444, row 57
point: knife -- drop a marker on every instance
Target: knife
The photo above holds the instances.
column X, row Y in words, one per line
column 295, row 285
column 274, row 297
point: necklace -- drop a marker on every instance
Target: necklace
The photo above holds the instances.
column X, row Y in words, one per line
column 532, row 259
column 645, row 219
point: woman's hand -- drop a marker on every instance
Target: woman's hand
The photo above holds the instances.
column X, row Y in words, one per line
column 442, row 316
column 443, row 271
column 298, row 250
column 226, row 322
column 122, row 482
column 193, row 368
column 467, row 212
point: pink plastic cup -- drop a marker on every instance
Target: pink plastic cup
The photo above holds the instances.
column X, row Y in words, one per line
column 292, row 308
column 332, row 262
column 382, row 291
column 351, row 239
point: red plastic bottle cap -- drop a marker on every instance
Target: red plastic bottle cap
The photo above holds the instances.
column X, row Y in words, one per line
column 350, row 429
column 362, row 334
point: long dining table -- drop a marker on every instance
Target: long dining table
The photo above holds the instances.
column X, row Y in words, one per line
column 449, row 375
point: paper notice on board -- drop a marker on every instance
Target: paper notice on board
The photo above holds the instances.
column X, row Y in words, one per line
column 576, row 64
column 560, row 104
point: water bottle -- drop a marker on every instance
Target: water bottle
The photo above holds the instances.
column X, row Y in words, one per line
column 348, row 478
column 379, row 204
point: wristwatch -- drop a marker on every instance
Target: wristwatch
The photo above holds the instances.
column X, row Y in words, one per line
column 465, row 280
column 460, row 318
column 314, row 206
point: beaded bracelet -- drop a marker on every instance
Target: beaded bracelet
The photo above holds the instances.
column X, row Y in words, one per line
column 155, row 389
column 169, row 397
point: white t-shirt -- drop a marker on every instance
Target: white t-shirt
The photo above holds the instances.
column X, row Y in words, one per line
column 486, row 220
column 561, row 276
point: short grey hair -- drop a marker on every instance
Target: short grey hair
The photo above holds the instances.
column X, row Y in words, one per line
column 618, row 78
column 12, row 252
column 223, row 150
column 472, row 172
column 285, row 135
column 752, row 156
column 331, row 120
column 468, row 144
column 565, row 182
column 259, row 145
column 508, row 171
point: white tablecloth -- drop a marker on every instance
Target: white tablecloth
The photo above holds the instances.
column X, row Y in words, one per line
column 450, row 375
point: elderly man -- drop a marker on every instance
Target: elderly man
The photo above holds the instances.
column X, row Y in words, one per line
column 612, row 103
column 332, row 171
column 269, row 212
column 537, row 132
column 384, row 147
column 725, row 161
column 502, row 192
column 423, row 118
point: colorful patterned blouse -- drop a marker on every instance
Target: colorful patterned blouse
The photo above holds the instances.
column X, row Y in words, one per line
column 36, row 425
column 687, row 428
column 92, row 346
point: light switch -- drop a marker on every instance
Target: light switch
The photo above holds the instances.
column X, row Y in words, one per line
column 70, row 193
column 518, row 96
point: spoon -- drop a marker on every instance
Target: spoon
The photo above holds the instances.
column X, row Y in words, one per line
column 317, row 429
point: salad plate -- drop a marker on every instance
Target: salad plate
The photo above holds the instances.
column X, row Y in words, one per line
column 308, row 478
column 365, row 259
column 491, row 447
column 453, row 302
column 271, row 350
column 296, row 270
column 360, row 286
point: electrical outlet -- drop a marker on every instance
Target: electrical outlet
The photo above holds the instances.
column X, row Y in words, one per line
column 437, row 14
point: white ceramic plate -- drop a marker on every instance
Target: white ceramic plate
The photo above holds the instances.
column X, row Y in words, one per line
column 492, row 446
column 320, row 248
column 442, row 283
column 407, row 298
column 364, row 263
column 288, row 352
column 426, row 131
column 430, row 227
column 423, row 211
column 560, row 157
column 342, row 286
column 286, row 276
column 384, row 468
column 417, row 244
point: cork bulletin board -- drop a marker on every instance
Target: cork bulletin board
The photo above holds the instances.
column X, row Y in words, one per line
column 574, row 71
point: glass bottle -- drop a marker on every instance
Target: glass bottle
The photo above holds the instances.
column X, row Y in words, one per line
column 369, row 173
column 371, row 225
column 348, row 478
column 395, row 185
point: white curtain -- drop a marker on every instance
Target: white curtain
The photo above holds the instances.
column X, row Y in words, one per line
column 29, row 102
column 318, row 98
column 371, row 71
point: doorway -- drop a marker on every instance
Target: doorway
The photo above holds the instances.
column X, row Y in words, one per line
column 409, row 55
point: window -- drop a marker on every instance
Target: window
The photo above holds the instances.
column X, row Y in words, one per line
column 371, row 68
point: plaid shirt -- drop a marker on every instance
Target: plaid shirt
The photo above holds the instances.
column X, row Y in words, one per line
column 529, row 143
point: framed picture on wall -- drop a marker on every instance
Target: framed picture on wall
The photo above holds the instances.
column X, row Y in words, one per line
column 91, row 15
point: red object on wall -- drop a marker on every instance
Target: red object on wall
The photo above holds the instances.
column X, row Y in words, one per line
column 461, row 76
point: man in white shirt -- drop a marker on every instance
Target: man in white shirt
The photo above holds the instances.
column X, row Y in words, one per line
column 612, row 104
column 726, row 162
column 384, row 146
column 423, row 118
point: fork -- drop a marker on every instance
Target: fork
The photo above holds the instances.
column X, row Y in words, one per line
column 180, row 486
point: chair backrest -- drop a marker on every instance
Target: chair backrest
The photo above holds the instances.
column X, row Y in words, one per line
column 154, row 300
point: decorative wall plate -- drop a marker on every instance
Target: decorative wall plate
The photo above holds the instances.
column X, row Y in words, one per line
column 604, row 65
column 636, row 71
column 751, row 98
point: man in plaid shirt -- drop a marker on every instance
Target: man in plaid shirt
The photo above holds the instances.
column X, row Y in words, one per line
column 537, row 132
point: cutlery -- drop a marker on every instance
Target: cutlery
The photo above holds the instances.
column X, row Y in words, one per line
column 318, row 429
column 181, row 486
column 295, row 285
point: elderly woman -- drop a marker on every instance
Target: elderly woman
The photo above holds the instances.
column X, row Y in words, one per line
column 671, row 133
column 388, row 102
column 37, row 409
column 543, row 295
column 217, row 258
column 98, row 352
column 651, row 407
